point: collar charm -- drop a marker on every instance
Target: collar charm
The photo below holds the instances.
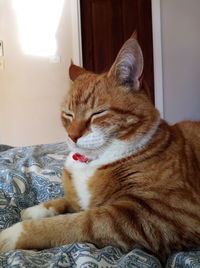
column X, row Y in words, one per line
column 80, row 158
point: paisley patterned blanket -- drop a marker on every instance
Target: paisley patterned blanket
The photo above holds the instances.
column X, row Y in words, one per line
column 31, row 175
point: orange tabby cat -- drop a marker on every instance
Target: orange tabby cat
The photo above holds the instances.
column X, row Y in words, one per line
column 130, row 178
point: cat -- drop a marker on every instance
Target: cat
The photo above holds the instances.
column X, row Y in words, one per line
column 130, row 178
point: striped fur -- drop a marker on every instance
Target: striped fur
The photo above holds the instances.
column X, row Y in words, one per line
column 141, row 184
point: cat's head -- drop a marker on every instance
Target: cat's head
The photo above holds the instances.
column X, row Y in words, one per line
column 101, row 109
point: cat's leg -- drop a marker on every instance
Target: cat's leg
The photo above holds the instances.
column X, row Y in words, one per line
column 102, row 226
column 47, row 209
column 53, row 207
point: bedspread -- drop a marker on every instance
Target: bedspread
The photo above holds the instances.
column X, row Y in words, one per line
column 31, row 175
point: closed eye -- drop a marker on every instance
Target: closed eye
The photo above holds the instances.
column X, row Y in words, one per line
column 67, row 115
column 99, row 113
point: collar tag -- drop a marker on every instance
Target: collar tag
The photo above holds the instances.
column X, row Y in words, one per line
column 80, row 158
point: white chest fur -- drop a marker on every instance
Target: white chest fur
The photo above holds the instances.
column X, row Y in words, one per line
column 81, row 173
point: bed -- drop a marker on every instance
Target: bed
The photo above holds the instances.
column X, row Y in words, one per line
column 31, row 175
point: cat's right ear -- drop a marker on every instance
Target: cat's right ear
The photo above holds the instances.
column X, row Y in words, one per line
column 128, row 66
column 75, row 71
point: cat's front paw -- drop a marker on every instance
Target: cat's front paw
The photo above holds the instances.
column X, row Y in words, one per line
column 37, row 212
column 10, row 236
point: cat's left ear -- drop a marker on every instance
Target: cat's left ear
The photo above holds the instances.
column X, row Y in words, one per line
column 128, row 66
column 75, row 71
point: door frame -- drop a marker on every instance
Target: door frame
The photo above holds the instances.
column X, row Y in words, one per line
column 157, row 47
column 157, row 56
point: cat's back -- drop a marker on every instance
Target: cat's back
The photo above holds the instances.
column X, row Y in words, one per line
column 191, row 133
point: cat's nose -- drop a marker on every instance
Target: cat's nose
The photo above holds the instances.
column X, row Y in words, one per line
column 74, row 137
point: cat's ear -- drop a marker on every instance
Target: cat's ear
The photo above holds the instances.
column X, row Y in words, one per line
column 75, row 71
column 128, row 66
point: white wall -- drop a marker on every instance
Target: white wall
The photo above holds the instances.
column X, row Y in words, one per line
column 32, row 88
column 180, row 22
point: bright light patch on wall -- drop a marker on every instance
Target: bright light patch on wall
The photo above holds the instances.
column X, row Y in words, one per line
column 38, row 22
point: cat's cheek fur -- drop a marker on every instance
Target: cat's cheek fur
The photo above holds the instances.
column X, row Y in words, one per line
column 10, row 236
column 37, row 212
column 95, row 139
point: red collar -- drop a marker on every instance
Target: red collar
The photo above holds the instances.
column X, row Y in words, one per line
column 80, row 158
